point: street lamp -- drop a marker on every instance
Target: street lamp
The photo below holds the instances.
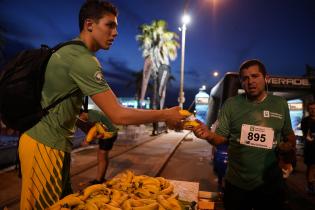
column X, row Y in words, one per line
column 181, row 99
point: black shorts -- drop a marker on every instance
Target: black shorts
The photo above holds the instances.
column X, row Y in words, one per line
column 107, row 144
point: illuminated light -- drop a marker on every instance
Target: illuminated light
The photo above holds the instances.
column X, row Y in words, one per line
column 186, row 19
column 215, row 74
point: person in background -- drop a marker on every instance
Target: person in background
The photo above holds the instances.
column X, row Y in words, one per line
column 220, row 159
column 308, row 129
column 44, row 149
column 253, row 124
column 105, row 145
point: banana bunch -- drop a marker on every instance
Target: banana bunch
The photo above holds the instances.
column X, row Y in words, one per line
column 168, row 202
column 126, row 191
column 141, row 186
column 140, row 204
column 145, row 192
column 190, row 120
column 67, row 202
column 96, row 130
column 93, row 197
column 122, row 182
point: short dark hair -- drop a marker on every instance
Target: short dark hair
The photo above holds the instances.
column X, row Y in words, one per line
column 95, row 9
column 253, row 62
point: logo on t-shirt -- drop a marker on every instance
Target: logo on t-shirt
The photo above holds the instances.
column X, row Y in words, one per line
column 266, row 114
column 99, row 77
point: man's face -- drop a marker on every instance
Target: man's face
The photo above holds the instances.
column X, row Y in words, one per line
column 311, row 110
column 105, row 31
column 253, row 81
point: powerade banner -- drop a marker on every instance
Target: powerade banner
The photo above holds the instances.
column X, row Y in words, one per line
column 163, row 77
column 289, row 82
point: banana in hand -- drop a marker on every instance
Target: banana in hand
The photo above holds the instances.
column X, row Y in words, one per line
column 185, row 113
column 96, row 130
column 190, row 120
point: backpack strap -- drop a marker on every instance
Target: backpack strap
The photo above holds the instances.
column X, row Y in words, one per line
column 59, row 100
column 72, row 42
column 86, row 104
column 54, row 49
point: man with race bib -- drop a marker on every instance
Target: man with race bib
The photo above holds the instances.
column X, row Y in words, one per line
column 254, row 124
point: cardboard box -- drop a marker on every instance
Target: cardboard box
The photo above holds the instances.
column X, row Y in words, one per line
column 205, row 205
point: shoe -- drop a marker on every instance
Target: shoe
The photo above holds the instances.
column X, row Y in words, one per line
column 95, row 181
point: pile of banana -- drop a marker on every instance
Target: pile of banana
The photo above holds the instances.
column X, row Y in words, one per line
column 126, row 191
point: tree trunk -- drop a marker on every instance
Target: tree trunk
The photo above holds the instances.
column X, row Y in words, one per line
column 155, row 101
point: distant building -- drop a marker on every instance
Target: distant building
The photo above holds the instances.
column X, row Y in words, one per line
column 127, row 102
column 133, row 103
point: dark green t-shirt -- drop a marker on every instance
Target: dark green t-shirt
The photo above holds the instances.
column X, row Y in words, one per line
column 246, row 164
column 70, row 68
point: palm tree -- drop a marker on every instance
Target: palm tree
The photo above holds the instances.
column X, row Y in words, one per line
column 137, row 82
column 159, row 45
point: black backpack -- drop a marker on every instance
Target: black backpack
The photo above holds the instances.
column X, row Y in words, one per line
column 21, row 84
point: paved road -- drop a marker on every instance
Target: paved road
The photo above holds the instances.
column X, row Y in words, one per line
column 190, row 162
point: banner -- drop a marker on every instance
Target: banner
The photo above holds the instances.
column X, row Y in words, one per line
column 147, row 69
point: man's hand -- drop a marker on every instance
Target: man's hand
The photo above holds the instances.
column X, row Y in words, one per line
column 201, row 131
column 286, row 156
column 286, row 168
column 173, row 118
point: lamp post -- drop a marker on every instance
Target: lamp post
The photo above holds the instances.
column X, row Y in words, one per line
column 181, row 99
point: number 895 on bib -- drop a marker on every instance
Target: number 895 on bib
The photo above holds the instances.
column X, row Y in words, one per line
column 257, row 136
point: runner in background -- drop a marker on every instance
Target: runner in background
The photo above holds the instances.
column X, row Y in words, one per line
column 308, row 129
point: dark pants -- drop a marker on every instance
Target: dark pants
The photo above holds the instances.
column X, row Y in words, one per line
column 258, row 199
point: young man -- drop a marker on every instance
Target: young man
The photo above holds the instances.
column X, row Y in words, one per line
column 253, row 124
column 45, row 148
column 105, row 145
column 308, row 129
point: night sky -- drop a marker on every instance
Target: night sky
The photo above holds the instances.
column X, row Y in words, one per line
column 222, row 34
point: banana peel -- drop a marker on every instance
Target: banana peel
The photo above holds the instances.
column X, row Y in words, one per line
column 98, row 130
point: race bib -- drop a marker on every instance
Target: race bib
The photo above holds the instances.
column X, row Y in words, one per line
column 257, row 136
